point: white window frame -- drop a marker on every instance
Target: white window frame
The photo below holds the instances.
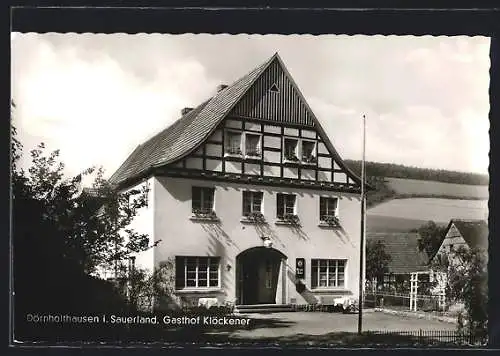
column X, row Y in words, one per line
column 252, row 192
column 313, row 153
column 328, row 269
column 259, row 145
column 227, row 141
column 208, row 258
column 336, row 209
column 284, row 203
column 297, row 149
column 203, row 189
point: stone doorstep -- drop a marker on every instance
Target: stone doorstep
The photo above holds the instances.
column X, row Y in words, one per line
column 417, row 315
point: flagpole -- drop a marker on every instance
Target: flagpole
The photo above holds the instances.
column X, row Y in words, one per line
column 362, row 237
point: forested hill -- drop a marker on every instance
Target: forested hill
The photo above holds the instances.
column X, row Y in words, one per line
column 390, row 170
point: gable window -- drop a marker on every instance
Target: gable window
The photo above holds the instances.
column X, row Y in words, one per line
column 291, row 148
column 233, row 142
column 203, row 200
column 252, row 145
column 252, row 203
column 308, row 148
column 328, row 208
column 274, row 88
column 285, row 205
column 327, row 273
column 197, row 272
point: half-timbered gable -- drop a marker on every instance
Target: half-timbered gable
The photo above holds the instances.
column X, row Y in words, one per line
column 462, row 233
column 251, row 200
column 268, row 136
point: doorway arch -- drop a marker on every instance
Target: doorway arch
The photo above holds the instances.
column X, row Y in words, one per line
column 260, row 276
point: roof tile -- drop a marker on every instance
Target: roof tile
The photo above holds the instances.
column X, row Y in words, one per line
column 187, row 132
column 404, row 252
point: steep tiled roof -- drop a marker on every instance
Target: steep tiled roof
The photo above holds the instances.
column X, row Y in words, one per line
column 404, row 252
column 187, row 132
column 193, row 128
column 474, row 232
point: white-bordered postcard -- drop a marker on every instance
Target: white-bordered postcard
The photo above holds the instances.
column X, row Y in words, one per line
column 241, row 189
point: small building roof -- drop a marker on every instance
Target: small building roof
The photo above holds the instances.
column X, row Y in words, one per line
column 474, row 232
column 404, row 252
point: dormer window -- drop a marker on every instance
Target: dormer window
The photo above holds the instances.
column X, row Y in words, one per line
column 291, row 148
column 252, row 145
column 308, row 151
column 233, row 143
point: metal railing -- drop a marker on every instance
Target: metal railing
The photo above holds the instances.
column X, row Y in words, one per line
column 430, row 336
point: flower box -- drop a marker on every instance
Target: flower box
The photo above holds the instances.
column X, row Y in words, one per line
column 331, row 220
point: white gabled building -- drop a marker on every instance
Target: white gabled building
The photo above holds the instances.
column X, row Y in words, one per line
column 250, row 198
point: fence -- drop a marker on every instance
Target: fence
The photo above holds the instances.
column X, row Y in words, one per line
column 401, row 301
column 429, row 336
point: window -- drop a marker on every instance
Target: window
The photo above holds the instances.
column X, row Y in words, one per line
column 285, row 205
column 308, row 151
column 327, row 273
column 274, row 88
column 233, row 142
column 327, row 208
column 203, row 200
column 252, row 202
column 291, row 149
column 451, row 247
column 197, row 272
column 252, row 145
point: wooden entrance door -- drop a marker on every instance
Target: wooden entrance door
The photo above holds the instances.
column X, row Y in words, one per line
column 268, row 280
column 258, row 276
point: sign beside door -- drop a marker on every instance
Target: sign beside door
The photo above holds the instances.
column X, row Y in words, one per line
column 300, row 268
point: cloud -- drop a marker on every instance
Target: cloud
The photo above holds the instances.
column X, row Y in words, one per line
column 96, row 111
column 96, row 96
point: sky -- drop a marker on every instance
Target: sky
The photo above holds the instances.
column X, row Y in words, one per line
column 97, row 96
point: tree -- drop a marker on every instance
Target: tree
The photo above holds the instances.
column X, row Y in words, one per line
column 91, row 229
column 431, row 236
column 377, row 260
column 467, row 282
column 153, row 289
column 62, row 234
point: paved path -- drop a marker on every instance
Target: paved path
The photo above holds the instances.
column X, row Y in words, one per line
column 318, row 323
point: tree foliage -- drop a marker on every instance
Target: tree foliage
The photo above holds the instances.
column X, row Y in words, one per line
column 153, row 289
column 92, row 230
column 400, row 171
column 377, row 260
column 380, row 193
column 430, row 237
column 63, row 234
column 467, row 282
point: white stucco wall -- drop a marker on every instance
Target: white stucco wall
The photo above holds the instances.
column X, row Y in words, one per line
column 143, row 223
column 182, row 236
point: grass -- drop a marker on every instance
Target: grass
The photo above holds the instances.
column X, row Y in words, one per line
column 404, row 211
column 377, row 223
column 423, row 188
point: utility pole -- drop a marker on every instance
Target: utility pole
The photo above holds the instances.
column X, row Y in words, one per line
column 363, row 228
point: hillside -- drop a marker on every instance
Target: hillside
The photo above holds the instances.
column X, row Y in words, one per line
column 399, row 215
column 393, row 181
column 413, row 188
column 390, row 170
